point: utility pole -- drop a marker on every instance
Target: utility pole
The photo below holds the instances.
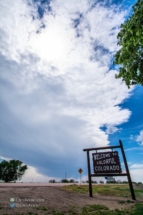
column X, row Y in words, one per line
column 65, row 175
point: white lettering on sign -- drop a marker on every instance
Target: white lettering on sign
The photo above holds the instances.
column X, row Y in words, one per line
column 101, row 156
column 107, row 161
column 106, row 168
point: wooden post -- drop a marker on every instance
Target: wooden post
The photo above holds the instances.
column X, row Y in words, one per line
column 89, row 175
column 127, row 171
column 80, row 171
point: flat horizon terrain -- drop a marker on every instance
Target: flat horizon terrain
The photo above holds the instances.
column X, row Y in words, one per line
column 37, row 184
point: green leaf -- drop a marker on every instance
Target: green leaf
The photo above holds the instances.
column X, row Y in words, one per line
column 130, row 56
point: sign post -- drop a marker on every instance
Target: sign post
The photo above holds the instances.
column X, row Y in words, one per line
column 80, row 171
column 107, row 164
column 89, row 175
column 127, row 170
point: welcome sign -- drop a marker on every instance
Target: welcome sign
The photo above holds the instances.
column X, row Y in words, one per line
column 106, row 162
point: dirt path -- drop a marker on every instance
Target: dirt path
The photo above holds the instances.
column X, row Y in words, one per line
column 53, row 198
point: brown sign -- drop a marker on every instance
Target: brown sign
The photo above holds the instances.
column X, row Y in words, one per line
column 80, row 170
column 106, row 162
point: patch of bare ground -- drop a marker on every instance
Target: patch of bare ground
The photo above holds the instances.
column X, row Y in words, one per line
column 42, row 199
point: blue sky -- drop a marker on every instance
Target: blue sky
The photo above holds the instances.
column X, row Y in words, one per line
column 59, row 94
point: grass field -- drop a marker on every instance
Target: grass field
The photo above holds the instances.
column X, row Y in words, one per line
column 108, row 190
column 137, row 209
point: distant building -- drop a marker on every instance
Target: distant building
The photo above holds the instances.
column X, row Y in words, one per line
column 119, row 181
column 110, row 180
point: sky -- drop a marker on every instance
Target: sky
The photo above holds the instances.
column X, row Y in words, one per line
column 58, row 90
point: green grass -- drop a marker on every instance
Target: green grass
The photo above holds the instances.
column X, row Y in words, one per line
column 136, row 209
column 106, row 190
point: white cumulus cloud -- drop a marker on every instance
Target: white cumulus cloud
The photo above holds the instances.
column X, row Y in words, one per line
column 57, row 85
column 140, row 138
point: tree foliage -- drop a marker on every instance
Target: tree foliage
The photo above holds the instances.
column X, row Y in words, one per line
column 12, row 170
column 64, row 181
column 130, row 56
